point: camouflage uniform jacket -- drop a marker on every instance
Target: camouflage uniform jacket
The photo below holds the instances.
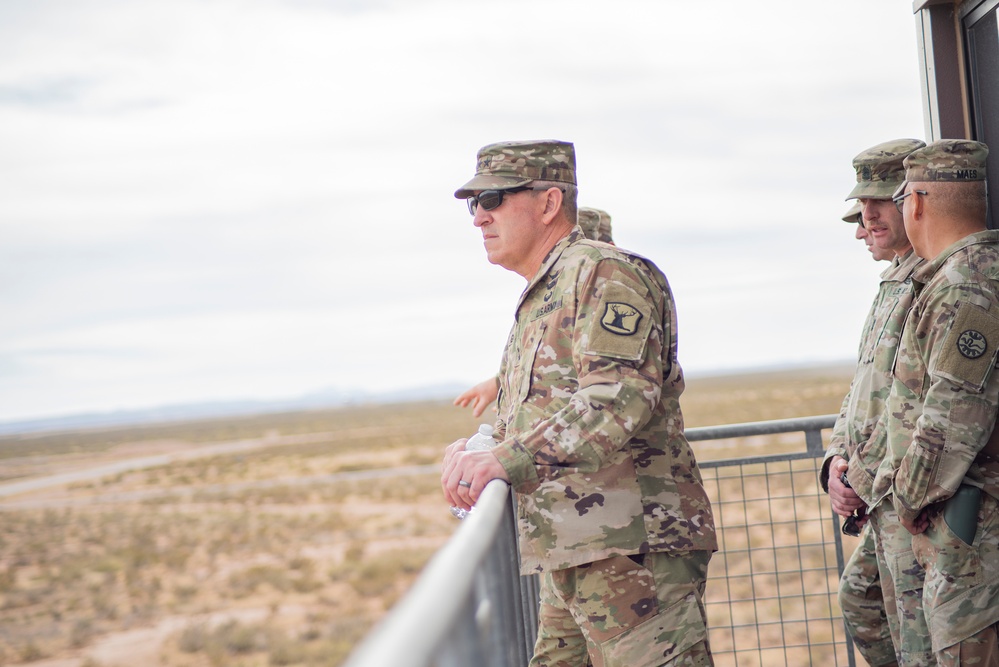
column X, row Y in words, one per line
column 589, row 415
column 865, row 402
column 944, row 396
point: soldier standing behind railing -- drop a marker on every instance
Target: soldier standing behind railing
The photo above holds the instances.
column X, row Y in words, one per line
column 938, row 468
column 887, row 624
column 611, row 508
column 596, row 226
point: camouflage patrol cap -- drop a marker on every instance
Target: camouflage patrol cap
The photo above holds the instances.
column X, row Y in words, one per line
column 879, row 168
column 952, row 160
column 596, row 224
column 511, row 164
column 854, row 214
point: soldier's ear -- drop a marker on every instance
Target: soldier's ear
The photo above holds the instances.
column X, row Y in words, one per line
column 917, row 205
column 553, row 204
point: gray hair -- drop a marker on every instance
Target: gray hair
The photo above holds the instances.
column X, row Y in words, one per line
column 570, row 193
column 967, row 200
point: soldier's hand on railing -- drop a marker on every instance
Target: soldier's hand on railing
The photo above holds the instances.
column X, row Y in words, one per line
column 464, row 474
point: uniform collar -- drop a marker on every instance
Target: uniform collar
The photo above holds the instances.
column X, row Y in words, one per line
column 902, row 267
column 925, row 272
column 550, row 259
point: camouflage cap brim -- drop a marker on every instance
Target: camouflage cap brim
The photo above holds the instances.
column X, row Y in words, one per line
column 879, row 168
column 854, row 214
column 872, row 190
column 511, row 164
column 489, row 182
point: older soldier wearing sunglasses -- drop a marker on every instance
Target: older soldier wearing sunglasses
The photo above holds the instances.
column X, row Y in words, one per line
column 596, row 226
column 612, row 510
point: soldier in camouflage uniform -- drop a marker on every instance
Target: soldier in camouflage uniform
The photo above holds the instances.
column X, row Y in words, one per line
column 860, row 233
column 937, row 467
column 611, row 508
column 596, row 226
column 872, row 618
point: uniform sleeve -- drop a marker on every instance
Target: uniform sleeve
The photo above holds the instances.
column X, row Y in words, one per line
column 959, row 333
column 837, row 443
column 840, row 433
column 617, row 355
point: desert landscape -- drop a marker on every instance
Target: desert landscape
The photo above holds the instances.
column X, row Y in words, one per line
column 275, row 539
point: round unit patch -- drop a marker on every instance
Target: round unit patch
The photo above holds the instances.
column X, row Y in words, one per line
column 971, row 344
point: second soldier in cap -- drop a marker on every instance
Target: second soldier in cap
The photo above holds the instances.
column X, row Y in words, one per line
column 885, row 621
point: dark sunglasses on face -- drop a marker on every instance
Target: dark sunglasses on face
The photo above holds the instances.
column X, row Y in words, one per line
column 490, row 199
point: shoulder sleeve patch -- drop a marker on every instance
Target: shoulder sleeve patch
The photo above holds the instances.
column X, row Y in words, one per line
column 622, row 322
column 969, row 353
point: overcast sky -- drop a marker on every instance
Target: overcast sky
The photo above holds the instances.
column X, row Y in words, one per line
column 212, row 199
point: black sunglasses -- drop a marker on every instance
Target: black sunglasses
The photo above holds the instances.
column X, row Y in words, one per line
column 490, row 199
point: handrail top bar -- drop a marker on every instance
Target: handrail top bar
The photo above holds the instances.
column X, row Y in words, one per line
column 760, row 428
column 416, row 624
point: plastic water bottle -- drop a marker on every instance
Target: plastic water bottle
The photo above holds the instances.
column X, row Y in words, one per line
column 481, row 440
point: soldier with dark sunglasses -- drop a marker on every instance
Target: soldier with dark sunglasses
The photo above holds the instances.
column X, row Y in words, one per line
column 612, row 512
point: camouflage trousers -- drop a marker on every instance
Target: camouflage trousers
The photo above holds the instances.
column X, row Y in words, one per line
column 635, row 611
column 863, row 608
column 961, row 592
column 902, row 588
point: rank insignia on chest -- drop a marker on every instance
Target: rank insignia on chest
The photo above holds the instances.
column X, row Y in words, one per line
column 620, row 318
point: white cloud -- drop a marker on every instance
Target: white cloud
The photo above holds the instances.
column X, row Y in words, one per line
column 225, row 199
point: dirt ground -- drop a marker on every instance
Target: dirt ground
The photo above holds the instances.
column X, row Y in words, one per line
column 271, row 540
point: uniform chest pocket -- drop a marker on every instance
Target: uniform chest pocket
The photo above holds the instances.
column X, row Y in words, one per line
column 525, row 365
column 882, row 338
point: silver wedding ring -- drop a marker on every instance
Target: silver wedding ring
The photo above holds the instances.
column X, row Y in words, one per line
column 462, row 482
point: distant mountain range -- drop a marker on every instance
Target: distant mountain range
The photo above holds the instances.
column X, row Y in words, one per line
column 326, row 398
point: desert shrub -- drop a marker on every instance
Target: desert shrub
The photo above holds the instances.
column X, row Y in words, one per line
column 30, row 652
column 248, row 581
column 81, row 633
column 238, row 638
column 193, row 638
column 379, row 576
column 285, row 651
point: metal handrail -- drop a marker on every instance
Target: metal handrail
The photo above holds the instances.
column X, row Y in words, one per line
column 465, row 608
column 443, row 603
